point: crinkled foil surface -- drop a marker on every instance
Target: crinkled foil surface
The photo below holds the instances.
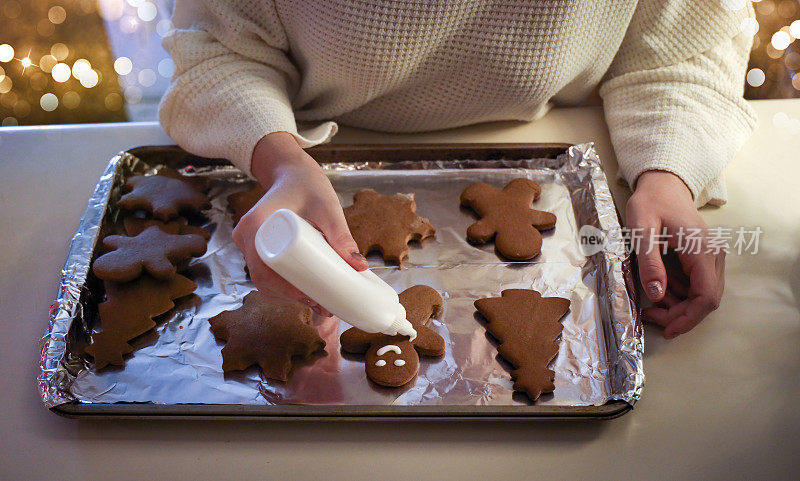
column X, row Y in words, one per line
column 600, row 357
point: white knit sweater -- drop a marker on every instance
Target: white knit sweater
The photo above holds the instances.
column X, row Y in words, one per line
column 671, row 73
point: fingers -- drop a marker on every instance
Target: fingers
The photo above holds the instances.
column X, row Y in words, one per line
column 706, row 273
column 652, row 272
column 331, row 222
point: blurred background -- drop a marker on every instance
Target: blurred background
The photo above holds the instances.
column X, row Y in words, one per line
column 77, row 61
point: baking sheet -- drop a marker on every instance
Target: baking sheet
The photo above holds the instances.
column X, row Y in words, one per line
column 600, row 353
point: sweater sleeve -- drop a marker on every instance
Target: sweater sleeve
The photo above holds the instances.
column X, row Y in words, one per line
column 233, row 80
column 673, row 94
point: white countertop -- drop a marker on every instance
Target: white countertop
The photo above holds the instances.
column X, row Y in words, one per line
column 719, row 403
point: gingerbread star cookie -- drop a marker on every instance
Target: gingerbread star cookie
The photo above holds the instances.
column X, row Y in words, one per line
column 153, row 251
column 164, row 197
column 128, row 312
column 393, row 361
column 527, row 326
column 507, row 217
column 386, row 223
column 242, row 201
column 266, row 334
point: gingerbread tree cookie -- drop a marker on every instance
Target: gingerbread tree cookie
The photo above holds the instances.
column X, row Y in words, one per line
column 527, row 326
column 386, row 223
column 394, row 360
column 153, row 251
column 162, row 196
column 128, row 312
column 506, row 215
column 266, row 334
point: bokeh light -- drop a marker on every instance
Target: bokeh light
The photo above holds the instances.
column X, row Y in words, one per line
column 71, row 99
column 749, row 26
column 61, row 72
column 57, row 14
column 26, row 62
column 756, row 77
column 123, row 65
column 48, row 102
column 89, row 78
column 166, row 67
column 781, row 40
column 59, row 51
column 147, row 78
column 794, row 29
column 6, row 84
column 80, row 67
column 6, row 52
column 47, row 62
column 113, row 101
column 147, row 12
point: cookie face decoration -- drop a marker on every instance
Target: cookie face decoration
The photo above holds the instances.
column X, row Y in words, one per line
column 153, row 251
column 393, row 361
column 527, row 326
column 162, row 196
column 507, row 217
column 386, row 223
column 243, row 201
column 265, row 334
column 128, row 312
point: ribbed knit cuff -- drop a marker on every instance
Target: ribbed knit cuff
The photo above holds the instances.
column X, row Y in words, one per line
column 683, row 128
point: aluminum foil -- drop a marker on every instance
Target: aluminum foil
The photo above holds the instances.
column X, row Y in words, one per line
column 600, row 356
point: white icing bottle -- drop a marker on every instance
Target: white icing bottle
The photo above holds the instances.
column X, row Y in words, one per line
column 299, row 253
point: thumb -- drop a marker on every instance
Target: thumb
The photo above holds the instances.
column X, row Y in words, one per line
column 333, row 226
column 652, row 272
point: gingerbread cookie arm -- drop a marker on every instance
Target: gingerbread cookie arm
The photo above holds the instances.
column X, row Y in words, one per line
column 542, row 220
column 481, row 232
column 429, row 343
column 475, row 195
column 356, row 341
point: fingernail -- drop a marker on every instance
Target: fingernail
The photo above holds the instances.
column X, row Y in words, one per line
column 654, row 290
column 358, row 256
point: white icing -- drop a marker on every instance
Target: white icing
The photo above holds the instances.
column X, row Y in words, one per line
column 399, row 362
column 387, row 348
column 380, row 363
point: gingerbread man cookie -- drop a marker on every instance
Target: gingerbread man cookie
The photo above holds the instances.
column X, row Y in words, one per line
column 527, row 326
column 394, row 360
column 506, row 215
column 266, row 334
column 386, row 223
column 162, row 196
column 153, row 251
column 128, row 312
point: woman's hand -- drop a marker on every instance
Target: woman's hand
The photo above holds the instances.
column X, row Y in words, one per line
column 687, row 290
column 293, row 181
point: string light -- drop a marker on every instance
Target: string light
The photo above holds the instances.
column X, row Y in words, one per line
column 147, row 12
column 71, row 99
column 80, row 67
column 89, row 78
column 57, row 15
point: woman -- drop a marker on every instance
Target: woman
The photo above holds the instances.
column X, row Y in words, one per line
column 670, row 74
